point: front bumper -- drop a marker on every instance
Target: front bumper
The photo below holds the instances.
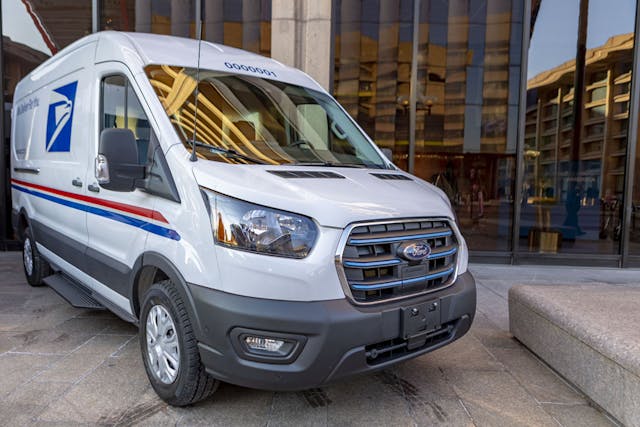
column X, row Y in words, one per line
column 340, row 339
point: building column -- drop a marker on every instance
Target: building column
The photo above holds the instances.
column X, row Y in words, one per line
column 181, row 18
column 143, row 16
column 301, row 36
column 214, row 21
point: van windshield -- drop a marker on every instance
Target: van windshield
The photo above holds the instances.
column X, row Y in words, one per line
column 248, row 120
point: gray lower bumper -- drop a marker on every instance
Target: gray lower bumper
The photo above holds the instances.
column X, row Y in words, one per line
column 338, row 338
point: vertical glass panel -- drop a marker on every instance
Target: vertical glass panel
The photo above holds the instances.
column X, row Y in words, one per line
column 634, row 229
column 35, row 30
column 575, row 163
column 170, row 17
column 373, row 48
column 468, row 85
column 245, row 24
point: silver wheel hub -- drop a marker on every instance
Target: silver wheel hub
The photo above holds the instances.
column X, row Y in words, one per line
column 163, row 351
column 27, row 257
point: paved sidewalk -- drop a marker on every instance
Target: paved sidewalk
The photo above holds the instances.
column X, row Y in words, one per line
column 60, row 365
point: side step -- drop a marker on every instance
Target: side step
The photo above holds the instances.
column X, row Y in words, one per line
column 75, row 294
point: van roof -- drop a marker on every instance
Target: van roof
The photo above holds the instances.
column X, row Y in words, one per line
column 137, row 50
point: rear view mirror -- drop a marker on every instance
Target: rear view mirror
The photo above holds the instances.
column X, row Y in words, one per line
column 116, row 166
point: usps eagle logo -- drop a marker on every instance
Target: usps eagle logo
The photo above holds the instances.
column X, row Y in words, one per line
column 59, row 118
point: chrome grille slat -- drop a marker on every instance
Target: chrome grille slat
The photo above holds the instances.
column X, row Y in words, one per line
column 398, row 237
column 373, row 270
column 390, row 284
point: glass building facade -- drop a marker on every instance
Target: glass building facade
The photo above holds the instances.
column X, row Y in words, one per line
column 524, row 112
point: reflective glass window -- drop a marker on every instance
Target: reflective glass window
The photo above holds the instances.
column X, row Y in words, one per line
column 35, row 30
column 466, row 125
column 372, row 69
column 575, row 147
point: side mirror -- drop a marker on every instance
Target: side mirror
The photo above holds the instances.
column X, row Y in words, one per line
column 116, row 166
column 387, row 153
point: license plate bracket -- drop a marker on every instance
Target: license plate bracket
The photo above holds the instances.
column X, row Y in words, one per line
column 418, row 321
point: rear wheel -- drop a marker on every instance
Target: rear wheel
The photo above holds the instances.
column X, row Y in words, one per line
column 169, row 348
column 35, row 267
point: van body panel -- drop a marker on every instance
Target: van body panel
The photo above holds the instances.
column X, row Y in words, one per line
column 57, row 146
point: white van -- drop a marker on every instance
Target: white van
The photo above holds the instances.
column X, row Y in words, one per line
column 234, row 211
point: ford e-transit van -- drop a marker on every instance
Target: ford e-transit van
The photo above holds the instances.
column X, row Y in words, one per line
column 234, row 212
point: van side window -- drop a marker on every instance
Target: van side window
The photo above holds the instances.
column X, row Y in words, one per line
column 121, row 109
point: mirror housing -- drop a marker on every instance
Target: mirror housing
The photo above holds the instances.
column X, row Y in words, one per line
column 387, row 153
column 116, row 166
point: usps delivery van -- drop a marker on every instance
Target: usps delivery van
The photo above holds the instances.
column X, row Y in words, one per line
column 234, row 212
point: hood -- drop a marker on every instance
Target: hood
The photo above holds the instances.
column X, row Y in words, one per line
column 332, row 202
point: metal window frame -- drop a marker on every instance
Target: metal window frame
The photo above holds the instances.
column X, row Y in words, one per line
column 4, row 221
column 632, row 146
column 522, row 114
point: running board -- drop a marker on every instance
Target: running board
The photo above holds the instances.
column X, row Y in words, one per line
column 75, row 294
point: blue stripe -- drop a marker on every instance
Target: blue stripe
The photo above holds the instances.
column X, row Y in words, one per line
column 147, row 226
column 395, row 261
column 443, row 254
column 399, row 238
column 364, row 287
column 362, row 264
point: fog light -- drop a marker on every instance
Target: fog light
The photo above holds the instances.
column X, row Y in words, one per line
column 263, row 344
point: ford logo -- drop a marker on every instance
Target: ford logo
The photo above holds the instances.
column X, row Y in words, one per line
column 416, row 251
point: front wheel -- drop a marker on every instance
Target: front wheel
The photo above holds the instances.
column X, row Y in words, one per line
column 169, row 348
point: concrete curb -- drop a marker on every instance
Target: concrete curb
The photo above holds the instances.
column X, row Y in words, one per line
column 589, row 334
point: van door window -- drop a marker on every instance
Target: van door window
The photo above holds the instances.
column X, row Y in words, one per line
column 122, row 109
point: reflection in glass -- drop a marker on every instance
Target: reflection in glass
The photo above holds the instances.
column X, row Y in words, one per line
column 373, row 42
column 573, row 184
column 245, row 24
column 35, row 30
column 250, row 120
column 468, row 84
column 634, row 229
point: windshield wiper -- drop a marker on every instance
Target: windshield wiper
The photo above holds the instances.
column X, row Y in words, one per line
column 330, row 164
column 227, row 152
column 338, row 165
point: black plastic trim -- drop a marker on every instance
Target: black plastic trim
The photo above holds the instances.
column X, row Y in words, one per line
column 107, row 270
column 66, row 248
column 337, row 334
column 159, row 261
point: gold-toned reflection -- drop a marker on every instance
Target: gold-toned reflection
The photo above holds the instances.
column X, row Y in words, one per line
column 218, row 130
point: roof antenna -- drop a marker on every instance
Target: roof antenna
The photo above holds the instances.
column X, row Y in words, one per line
column 195, row 112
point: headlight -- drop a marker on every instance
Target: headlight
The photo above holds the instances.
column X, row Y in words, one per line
column 246, row 226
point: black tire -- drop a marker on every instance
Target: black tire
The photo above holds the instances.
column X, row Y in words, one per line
column 192, row 383
column 39, row 267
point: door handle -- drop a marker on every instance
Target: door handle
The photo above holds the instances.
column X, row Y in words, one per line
column 93, row 187
column 76, row 182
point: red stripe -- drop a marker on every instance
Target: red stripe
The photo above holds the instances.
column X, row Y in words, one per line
column 147, row 213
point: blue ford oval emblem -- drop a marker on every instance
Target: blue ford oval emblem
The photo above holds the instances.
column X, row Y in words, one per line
column 416, row 251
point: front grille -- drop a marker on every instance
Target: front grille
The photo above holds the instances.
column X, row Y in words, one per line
column 376, row 271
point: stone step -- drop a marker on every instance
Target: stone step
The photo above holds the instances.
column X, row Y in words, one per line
column 590, row 334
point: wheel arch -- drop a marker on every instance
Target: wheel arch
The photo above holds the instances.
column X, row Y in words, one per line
column 152, row 268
